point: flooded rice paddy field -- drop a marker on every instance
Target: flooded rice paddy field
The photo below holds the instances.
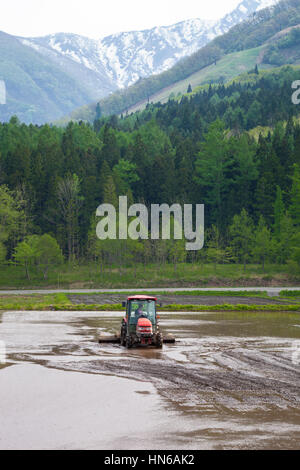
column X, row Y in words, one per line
column 232, row 381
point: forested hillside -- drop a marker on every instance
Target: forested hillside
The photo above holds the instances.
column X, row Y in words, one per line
column 196, row 150
column 41, row 89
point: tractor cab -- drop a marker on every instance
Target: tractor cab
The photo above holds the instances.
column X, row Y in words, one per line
column 140, row 325
column 140, row 308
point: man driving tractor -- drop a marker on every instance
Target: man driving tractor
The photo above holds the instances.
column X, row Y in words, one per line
column 139, row 312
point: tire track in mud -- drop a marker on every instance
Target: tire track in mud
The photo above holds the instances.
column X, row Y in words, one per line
column 206, row 369
column 248, row 379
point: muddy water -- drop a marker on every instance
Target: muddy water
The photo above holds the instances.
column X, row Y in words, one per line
column 231, row 381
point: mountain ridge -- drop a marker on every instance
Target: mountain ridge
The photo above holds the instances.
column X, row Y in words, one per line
column 69, row 71
column 128, row 56
column 250, row 34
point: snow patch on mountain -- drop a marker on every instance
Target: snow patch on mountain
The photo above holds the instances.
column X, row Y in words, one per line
column 125, row 57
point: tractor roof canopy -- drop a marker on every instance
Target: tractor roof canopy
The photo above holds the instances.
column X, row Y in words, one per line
column 142, row 297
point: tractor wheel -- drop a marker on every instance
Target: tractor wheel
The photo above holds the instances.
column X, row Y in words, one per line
column 159, row 341
column 123, row 341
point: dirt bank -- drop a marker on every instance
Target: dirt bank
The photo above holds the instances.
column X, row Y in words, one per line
column 103, row 299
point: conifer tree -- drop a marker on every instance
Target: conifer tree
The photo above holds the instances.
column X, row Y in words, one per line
column 262, row 244
column 242, row 236
column 294, row 208
column 279, row 211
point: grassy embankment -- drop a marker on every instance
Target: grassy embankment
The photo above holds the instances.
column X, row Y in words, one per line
column 89, row 276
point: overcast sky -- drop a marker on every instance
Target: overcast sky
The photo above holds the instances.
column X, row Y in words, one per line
column 99, row 18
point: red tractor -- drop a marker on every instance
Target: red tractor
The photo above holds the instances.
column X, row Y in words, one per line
column 140, row 326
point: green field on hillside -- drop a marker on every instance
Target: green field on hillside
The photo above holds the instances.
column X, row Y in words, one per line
column 226, row 69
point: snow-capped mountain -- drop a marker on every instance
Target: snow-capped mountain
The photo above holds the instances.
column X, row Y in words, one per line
column 121, row 59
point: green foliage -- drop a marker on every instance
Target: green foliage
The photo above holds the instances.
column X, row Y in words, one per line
column 68, row 209
column 109, row 192
column 25, row 253
column 295, row 196
column 262, row 245
column 2, row 253
column 177, row 252
column 41, row 252
column 279, row 212
column 211, row 166
column 12, row 218
column 126, row 175
column 154, row 273
column 242, row 237
column 215, row 253
column 188, row 151
column 283, row 240
column 47, row 253
column 8, row 214
column 285, row 49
